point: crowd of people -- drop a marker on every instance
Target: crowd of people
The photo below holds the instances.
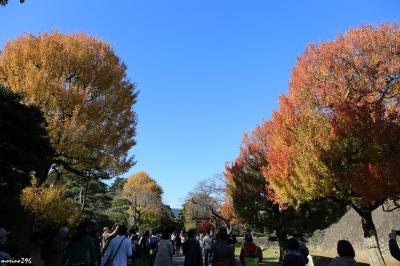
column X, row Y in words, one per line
column 119, row 247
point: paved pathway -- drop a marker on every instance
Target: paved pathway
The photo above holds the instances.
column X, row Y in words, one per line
column 178, row 260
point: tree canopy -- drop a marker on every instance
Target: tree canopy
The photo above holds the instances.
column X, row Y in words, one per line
column 336, row 133
column 144, row 194
column 81, row 87
column 252, row 202
column 24, row 144
column 197, row 208
column 25, row 150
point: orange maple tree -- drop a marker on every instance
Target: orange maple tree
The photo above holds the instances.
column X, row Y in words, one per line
column 337, row 131
column 251, row 199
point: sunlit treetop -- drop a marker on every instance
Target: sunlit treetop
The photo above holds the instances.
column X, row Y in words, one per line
column 141, row 182
column 336, row 133
column 81, row 86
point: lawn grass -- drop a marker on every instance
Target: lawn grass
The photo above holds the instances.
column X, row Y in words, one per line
column 271, row 257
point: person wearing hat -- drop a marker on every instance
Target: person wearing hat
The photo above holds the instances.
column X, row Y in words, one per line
column 3, row 239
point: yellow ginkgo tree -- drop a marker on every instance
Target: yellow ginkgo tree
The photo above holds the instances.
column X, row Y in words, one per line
column 144, row 194
column 80, row 85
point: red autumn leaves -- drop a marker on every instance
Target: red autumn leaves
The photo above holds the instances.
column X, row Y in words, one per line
column 337, row 131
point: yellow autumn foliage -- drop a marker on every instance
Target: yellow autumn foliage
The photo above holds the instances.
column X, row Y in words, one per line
column 145, row 195
column 49, row 205
column 80, row 84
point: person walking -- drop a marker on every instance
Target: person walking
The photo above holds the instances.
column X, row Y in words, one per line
column 303, row 250
column 80, row 246
column 152, row 243
column 208, row 246
column 165, row 250
column 250, row 253
column 346, row 255
column 173, row 240
column 178, row 244
column 134, row 237
column 192, row 250
column 108, row 235
column 182, row 237
column 54, row 251
column 224, row 254
column 4, row 256
column 119, row 249
column 144, row 251
column 293, row 257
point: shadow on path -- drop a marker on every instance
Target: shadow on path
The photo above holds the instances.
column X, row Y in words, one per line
column 321, row 260
column 178, row 260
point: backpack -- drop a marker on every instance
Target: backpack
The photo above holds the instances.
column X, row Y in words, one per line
column 141, row 245
column 152, row 244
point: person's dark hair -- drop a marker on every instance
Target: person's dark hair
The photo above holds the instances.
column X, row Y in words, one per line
column 81, row 230
column 146, row 233
column 248, row 238
column 296, row 235
column 165, row 235
column 223, row 234
column 122, row 230
column 293, row 244
column 345, row 249
column 191, row 233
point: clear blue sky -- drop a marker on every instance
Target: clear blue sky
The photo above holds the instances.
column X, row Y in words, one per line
column 207, row 70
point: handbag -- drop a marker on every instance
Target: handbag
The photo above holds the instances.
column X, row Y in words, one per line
column 110, row 260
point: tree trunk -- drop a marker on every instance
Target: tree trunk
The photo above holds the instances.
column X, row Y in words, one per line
column 229, row 228
column 85, row 194
column 371, row 238
column 282, row 243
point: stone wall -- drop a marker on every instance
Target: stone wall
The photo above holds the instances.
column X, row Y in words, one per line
column 323, row 242
column 349, row 228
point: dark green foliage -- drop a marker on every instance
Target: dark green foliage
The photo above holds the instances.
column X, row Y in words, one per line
column 167, row 219
column 118, row 212
column 118, row 184
column 24, row 146
column 180, row 218
column 24, row 149
column 256, row 210
column 98, row 199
